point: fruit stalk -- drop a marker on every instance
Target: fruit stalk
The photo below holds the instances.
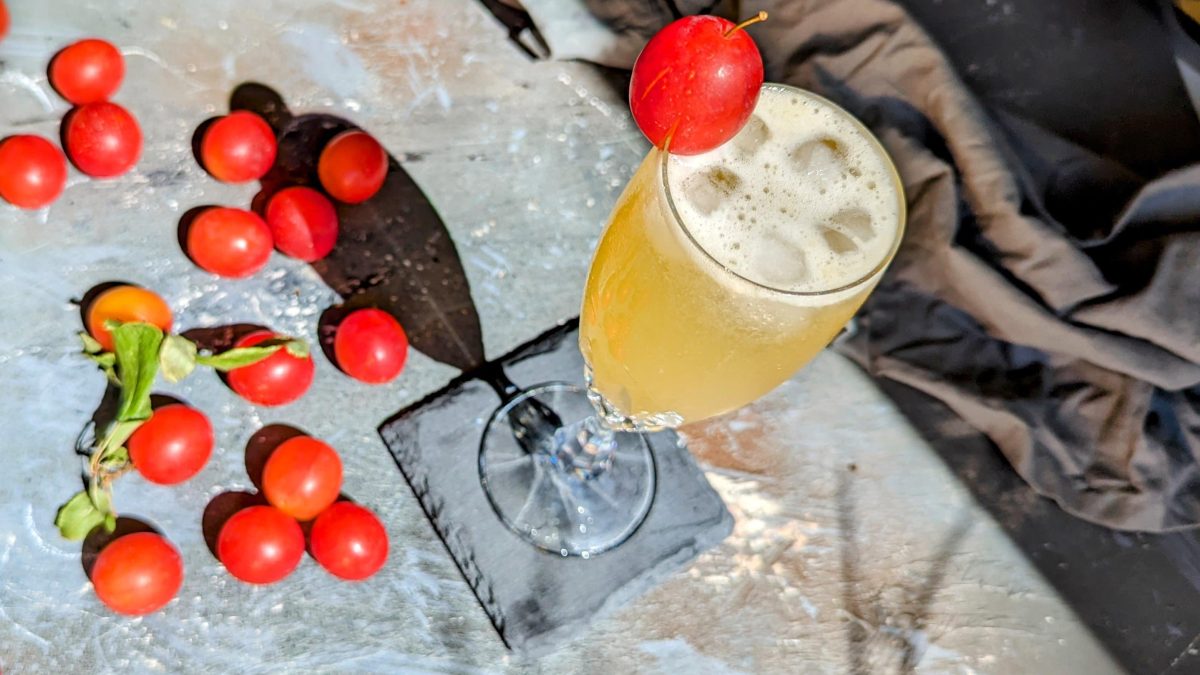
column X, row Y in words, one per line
column 758, row 18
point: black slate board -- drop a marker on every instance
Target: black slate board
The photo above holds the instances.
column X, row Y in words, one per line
column 538, row 600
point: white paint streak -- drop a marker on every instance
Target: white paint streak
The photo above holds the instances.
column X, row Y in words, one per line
column 32, row 528
column 29, row 84
column 325, row 59
column 677, row 656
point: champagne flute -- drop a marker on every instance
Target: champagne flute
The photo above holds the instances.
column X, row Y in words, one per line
column 717, row 277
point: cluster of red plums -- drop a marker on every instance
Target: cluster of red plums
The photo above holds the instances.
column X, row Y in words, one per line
column 301, row 222
column 141, row 572
column 101, row 138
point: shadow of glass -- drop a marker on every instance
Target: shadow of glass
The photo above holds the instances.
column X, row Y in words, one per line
column 1149, row 610
column 393, row 250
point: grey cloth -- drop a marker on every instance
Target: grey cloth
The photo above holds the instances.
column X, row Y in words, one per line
column 537, row 600
column 1046, row 291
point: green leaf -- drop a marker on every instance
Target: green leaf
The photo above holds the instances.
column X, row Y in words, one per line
column 297, row 348
column 137, row 365
column 110, row 522
column 245, row 356
column 98, row 496
column 177, row 357
column 78, row 517
column 90, row 344
column 107, row 362
column 115, row 460
column 238, row 357
column 118, row 433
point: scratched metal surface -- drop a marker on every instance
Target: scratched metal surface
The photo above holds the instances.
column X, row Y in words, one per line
column 886, row 567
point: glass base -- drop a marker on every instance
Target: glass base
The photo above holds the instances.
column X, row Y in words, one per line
column 561, row 480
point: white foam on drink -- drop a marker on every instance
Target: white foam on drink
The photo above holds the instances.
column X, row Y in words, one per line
column 801, row 200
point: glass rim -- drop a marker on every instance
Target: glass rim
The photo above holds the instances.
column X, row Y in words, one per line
column 901, row 215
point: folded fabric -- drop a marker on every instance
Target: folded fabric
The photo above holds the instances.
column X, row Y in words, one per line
column 1046, row 290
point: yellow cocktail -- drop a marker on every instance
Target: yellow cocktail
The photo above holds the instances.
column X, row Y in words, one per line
column 719, row 275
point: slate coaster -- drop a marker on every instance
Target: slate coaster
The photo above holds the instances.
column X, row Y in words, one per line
column 537, row 600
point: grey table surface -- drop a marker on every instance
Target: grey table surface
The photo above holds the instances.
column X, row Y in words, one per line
column 846, row 522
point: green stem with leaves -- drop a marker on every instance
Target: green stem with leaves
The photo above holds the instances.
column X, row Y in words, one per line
column 141, row 352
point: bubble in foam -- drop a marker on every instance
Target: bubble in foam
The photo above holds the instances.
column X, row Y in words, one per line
column 706, row 191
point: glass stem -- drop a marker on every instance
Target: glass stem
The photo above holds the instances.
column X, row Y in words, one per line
column 584, row 449
column 533, row 423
